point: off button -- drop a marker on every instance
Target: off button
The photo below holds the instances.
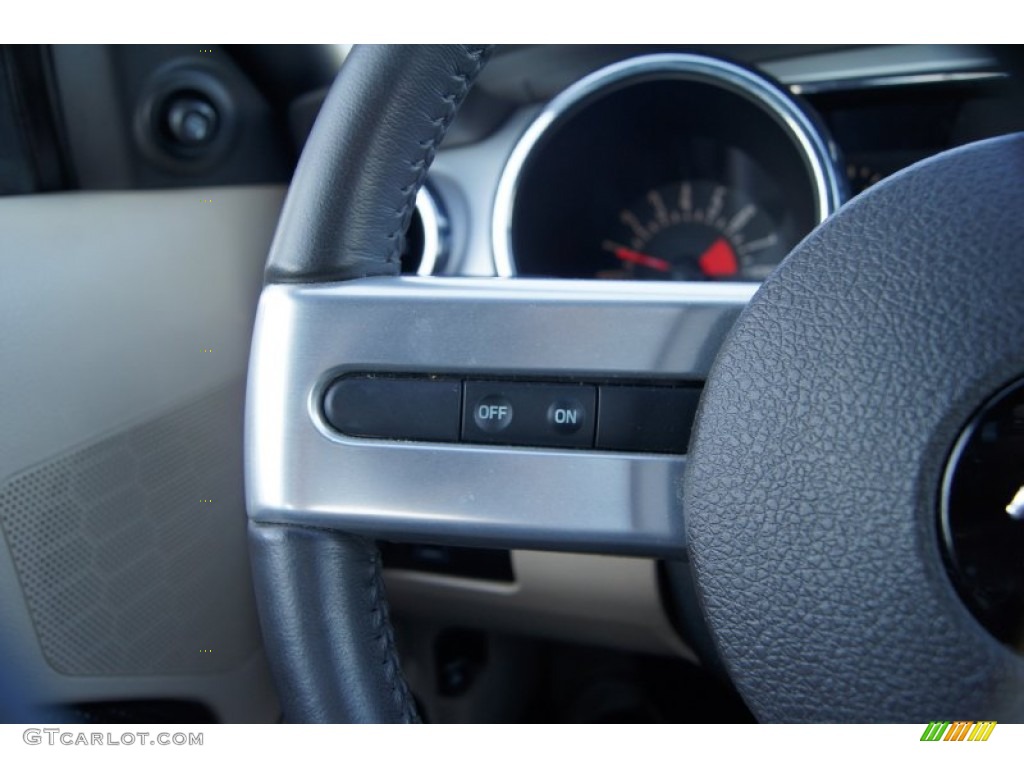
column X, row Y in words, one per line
column 493, row 413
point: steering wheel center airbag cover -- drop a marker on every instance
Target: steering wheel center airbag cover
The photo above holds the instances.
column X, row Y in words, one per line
column 815, row 471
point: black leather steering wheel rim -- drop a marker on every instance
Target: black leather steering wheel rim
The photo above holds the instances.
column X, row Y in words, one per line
column 761, row 571
column 319, row 592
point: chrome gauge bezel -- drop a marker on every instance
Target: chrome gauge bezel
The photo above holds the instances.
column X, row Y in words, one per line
column 435, row 233
column 815, row 149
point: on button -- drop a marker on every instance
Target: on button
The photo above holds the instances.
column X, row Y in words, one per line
column 567, row 416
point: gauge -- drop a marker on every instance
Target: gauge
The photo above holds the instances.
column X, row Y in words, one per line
column 693, row 230
column 664, row 167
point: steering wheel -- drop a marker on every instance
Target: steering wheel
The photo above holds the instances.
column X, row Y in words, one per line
column 812, row 503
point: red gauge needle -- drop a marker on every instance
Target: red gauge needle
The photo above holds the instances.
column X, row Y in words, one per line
column 643, row 260
column 719, row 260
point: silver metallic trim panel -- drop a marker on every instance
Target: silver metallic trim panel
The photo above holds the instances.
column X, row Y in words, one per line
column 878, row 61
column 299, row 470
column 892, row 81
column 435, row 226
column 777, row 102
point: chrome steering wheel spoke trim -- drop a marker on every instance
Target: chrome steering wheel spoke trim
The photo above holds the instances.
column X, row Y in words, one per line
column 299, row 470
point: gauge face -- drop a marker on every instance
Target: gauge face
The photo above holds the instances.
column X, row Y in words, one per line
column 664, row 167
column 692, row 230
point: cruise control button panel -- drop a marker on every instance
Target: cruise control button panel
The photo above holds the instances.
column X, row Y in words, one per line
column 446, row 409
column 516, row 413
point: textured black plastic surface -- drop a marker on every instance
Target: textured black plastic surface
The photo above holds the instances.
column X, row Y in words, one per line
column 326, row 626
column 814, row 472
column 354, row 189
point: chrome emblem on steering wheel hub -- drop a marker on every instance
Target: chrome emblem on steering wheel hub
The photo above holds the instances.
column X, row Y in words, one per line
column 982, row 516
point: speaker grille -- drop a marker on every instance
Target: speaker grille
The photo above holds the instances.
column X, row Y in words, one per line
column 126, row 568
